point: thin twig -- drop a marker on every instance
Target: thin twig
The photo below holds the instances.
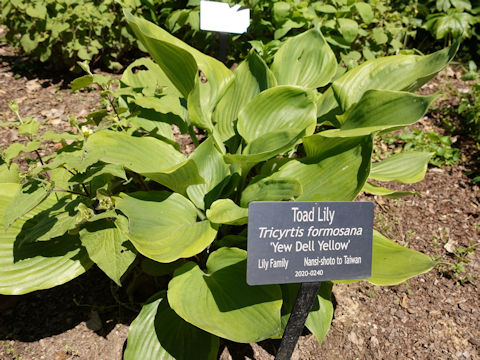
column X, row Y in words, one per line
column 70, row 171
column 83, row 185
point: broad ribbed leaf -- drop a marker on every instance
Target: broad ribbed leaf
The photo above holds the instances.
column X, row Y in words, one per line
column 266, row 146
column 225, row 211
column 405, row 167
column 206, row 95
column 388, row 193
column 105, row 245
column 213, row 170
column 220, row 301
column 305, row 60
column 150, row 79
column 27, row 198
column 393, row 263
column 336, row 175
column 163, row 226
column 36, row 266
column 181, row 63
column 328, row 108
column 318, row 147
column 271, row 190
column 176, row 62
column 399, row 72
column 252, row 76
column 9, row 174
column 163, row 164
column 97, row 170
column 159, row 333
column 283, row 108
column 154, row 122
column 379, row 110
column 162, row 111
column 51, row 222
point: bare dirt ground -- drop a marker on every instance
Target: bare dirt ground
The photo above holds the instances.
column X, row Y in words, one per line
column 433, row 316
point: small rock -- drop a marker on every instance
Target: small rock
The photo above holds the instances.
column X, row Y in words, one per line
column 411, row 311
column 55, row 122
column 474, row 341
column 374, row 341
column 355, row 339
column 60, row 356
column 450, row 246
column 33, row 85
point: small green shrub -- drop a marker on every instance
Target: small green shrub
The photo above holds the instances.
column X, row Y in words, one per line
column 439, row 22
column 66, row 31
column 452, row 19
column 120, row 194
column 469, row 110
column 355, row 30
column 63, row 32
column 443, row 154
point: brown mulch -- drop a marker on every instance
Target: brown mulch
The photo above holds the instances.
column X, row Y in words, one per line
column 432, row 316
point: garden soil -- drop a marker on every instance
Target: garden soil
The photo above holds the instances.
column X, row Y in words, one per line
column 432, row 316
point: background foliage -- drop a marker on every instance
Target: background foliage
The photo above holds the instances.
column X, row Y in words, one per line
column 62, row 32
column 66, row 31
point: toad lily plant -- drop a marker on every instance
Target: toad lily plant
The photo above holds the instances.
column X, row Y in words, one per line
column 121, row 195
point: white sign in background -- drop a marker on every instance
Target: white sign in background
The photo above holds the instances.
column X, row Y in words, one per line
column 218, row 16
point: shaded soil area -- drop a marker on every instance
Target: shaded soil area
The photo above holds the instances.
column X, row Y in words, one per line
column 432, row 316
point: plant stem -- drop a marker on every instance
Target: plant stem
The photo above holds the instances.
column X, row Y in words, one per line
column 19, row 117
column 83, row 185
column 200, row 214
column 115, row 111
column 39, row 157
column 193, row 136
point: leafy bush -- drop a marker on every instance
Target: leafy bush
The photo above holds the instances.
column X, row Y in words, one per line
column 120, row 194
column 452, row 19
column 464, row 119
column 469, row 109
column 63, row 32
column 356, row 30
column 439, row 22
column 443, row 154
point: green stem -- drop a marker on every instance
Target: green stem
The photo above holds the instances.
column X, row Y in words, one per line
column 193, row 136
column 19, row 117
column 115, row 111
column 201, row 215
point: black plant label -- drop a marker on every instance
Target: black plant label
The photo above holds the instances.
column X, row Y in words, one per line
column 297, row 241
